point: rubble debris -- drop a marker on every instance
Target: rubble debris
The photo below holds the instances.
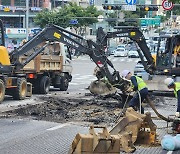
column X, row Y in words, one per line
column 87, row 108
column 96, row 110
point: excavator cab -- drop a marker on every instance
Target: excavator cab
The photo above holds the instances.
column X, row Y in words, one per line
column 166, row 54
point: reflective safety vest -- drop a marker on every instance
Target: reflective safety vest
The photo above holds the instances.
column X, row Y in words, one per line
column 177, row 87
column 141, row 83
column 176, row 49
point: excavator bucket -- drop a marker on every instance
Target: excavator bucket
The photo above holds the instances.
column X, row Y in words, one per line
column 132, row 128
column 141, row 125
column 100, row 87
column 101, row 142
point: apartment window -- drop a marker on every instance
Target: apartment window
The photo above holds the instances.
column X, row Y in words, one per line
column 20, row 2
column 36, row 3
column 6, row 2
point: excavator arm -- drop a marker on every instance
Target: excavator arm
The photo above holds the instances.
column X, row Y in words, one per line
column 134, row 34
column 55, row 33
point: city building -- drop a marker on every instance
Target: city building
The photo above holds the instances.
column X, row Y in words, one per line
column 13, row 15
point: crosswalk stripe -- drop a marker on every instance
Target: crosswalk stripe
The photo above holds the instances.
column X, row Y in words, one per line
column 111, row 58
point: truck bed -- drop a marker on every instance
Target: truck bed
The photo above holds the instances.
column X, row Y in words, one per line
column 43, row 63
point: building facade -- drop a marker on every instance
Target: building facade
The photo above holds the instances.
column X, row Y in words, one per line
column 13, row 12
column 13, row 15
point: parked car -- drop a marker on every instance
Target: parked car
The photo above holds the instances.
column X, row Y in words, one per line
column 120, row 52
column 122, row 46
column 110, row 50
column 140, row 71
column 133, row 54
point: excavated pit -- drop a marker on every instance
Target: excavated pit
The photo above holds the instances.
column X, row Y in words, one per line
column 58, row 109
column 89, row 108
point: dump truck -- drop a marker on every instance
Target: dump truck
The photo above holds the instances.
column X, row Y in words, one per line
column 52, row 67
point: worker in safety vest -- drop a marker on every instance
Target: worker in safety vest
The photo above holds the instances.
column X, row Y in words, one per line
column 138, row 85
column 176, row 54
column 176, row 86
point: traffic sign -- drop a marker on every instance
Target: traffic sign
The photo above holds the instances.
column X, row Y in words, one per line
column 130, row 2
column 128, row 7
column 167, row 5
column 91, row 2
column 100, row 18
column 73, row 21
column 150, row 21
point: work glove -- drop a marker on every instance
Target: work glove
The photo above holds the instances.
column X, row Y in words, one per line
column 177, row 114
column 130, row 89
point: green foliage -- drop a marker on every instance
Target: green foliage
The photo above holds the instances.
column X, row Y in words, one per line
column 176, row 11
column 175, row 1
column 62, row 16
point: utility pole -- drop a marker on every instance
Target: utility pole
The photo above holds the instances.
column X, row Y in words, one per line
column 171, row 19
column 62, row 3
column 27, row 18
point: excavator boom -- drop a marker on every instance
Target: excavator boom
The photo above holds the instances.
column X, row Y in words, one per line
column 135, row 35
column 55, row 33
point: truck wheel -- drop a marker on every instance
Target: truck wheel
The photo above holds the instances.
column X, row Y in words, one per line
column 64, row 83
column 21, row 89
column 44, row 85
column 2, row 90
column 36, row 87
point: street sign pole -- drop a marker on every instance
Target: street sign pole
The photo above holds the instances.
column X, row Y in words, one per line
column 27, row 19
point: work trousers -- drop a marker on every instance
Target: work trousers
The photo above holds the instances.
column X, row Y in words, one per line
column 134, row 102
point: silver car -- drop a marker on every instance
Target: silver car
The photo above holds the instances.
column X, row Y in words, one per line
column 140, row 71
column 133, row 54
column 120, row 52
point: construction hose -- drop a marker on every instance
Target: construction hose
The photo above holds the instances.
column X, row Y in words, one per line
column 123, row 109
column 139, row 101
column 157, row 113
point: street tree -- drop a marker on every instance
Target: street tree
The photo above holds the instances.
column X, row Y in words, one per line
column 62, row 16
column 175, row 1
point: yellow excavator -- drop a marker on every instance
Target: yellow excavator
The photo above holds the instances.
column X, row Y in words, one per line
column 13, row 80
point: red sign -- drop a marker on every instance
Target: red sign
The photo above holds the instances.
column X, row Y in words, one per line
column 167, row 5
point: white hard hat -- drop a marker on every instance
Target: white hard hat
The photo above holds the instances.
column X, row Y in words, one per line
column 125, row 73
column 168, row 81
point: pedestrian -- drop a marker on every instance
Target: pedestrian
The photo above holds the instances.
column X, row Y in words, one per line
column 176, row 87
column 139, row 86
column 14, row 42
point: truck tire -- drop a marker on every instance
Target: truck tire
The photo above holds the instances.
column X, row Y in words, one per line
column 36, row 87
column 44, row 85
column 2, row 90
column 21, row 90
column 64, row 83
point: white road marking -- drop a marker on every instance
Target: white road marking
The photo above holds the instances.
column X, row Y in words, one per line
column 169, row 152
column 76, row 74
column 115, row 59
column 57, row 127
column 73, row 83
